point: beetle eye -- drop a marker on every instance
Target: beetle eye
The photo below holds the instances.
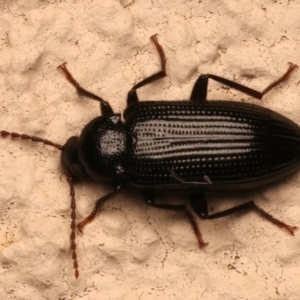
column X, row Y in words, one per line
column 77, row 170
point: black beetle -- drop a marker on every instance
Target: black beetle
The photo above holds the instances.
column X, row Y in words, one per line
column 193, row 146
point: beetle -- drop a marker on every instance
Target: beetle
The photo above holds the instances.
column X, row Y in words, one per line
column 191, row 146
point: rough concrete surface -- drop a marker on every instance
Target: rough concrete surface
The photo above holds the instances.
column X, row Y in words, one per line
column 132, row 251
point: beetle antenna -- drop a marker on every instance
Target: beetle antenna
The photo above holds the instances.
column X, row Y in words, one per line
column 73, row 225
column 13, row 135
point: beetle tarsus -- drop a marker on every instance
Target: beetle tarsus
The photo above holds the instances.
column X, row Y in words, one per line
column 132, row 95
column 98, row 206
column 284, row 77
column 198, row 203
column 105, row 106
column 87, row 220
column 199, row 92
column 291, row 229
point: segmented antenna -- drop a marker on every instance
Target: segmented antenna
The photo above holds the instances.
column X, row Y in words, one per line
column 14, row 135
column 73, row 226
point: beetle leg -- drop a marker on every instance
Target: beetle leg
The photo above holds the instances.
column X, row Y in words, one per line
column 199, row 92
column 200, row 207
column 132, row 95
column 97, row 207
column 149, row 197
column 105, row 107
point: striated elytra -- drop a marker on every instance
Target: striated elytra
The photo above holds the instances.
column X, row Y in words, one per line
column 193, row 146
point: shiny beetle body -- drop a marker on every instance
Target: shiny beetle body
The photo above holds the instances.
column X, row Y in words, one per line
column 192, row 146
column 216, row 145
column 176, row 145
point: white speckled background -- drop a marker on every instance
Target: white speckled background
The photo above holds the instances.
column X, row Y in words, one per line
column 132, row 251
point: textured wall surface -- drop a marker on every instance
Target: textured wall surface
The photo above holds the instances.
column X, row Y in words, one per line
column 132, row 251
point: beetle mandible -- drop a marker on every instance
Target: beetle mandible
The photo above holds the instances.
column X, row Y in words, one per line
column 192, row 146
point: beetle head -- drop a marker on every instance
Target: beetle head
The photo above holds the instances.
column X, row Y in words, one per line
column 98, row 151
